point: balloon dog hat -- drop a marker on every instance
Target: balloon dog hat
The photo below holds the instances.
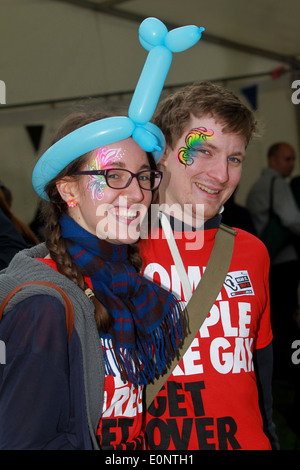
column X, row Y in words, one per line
column 161, row 43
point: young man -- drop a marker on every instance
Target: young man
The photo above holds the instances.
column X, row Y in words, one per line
column 219, row 395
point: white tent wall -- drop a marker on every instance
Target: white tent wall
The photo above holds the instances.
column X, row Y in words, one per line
column 278, row 121
column 55, row 53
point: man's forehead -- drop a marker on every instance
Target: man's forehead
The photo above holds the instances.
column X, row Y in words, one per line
column 205, row 120
column 203, row 117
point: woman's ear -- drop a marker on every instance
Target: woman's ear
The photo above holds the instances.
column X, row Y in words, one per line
column 68, row 189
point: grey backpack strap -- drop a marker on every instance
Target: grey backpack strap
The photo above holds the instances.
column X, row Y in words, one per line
column 67, row 301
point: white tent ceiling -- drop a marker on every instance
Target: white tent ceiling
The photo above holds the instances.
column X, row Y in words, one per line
column 269, row 26
column 58, row 49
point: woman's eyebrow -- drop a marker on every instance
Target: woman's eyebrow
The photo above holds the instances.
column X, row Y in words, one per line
column 112, row 164
column 145, row 166
column 120, row 164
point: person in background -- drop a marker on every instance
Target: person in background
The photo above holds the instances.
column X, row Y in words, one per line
column 11, row 241
column 271, row 201
column 219, row 396
column 15, row 235
column 5, row 205
column 7, row 194
column 37, row 225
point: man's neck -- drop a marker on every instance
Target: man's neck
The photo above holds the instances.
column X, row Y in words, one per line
column 187, row 214
column 179, row 225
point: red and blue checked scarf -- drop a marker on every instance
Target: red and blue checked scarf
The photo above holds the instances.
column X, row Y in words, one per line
column 148, row 323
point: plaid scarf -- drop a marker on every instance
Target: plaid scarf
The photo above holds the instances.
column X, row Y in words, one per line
column 148, row 322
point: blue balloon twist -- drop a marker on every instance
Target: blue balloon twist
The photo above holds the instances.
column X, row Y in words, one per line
column 161, row 44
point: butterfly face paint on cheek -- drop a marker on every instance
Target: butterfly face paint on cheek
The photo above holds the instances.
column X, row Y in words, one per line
column 194, row 141
column 104, row 156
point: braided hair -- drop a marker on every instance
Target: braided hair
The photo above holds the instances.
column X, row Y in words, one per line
column 56, row 206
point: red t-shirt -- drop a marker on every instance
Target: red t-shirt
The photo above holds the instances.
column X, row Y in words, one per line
column 121, row 424
column 211, row 399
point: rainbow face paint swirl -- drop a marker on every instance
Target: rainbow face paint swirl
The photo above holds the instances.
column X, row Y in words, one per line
column 104, row 156
column 194, row 141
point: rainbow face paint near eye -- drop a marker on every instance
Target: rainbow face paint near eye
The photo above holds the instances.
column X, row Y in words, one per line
column 194, row 141
column 104, row 156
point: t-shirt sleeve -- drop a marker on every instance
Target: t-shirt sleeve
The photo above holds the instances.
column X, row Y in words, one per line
column 263, row 364
column 264, row 334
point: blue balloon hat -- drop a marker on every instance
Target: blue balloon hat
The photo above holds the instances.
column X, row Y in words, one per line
column 160, row 43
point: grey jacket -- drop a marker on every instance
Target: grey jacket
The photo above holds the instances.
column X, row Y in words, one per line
column 25, row 268
column 284, row 205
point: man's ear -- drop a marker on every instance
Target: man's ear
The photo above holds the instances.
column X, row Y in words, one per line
column 67, row 188
column 163, row 160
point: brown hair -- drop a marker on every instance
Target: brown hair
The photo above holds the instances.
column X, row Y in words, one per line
column 200, row 99
column 56, row 206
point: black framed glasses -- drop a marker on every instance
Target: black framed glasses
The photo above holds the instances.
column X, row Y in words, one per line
column 117, row 178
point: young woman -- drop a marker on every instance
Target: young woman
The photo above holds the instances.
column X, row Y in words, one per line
column 86, row 393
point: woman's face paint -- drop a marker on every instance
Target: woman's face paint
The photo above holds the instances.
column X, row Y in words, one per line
column 104, row 157
column 112, row 214
column 193, row 140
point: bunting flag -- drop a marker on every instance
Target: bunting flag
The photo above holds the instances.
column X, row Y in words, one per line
column 276, row 73
column 250, row 92
column 35, row 133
